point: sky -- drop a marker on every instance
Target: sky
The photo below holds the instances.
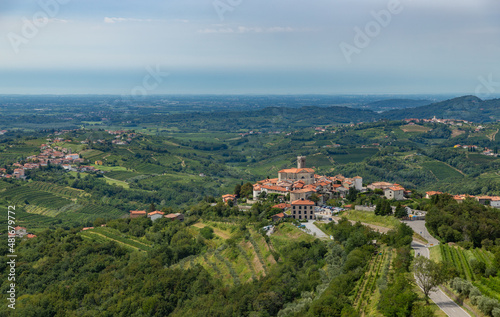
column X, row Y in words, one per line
column 142, row 47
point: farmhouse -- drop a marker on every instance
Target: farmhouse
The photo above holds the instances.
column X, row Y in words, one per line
column 155, row 215
column 227, row 198
column 396, row 193
column 137, row 213
column 278, row 217
column 428, row 195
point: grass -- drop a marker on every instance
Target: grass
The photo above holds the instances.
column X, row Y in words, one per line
column 370, row 218
column 435, row 253
column 116, row 182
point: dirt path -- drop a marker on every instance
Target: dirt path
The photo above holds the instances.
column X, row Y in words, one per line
column 493, row 135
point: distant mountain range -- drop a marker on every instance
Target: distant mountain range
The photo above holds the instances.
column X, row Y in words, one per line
column 469, row 108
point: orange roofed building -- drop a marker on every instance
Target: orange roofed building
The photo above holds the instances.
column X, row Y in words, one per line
column 137, row 213
column 302, row 182
column 303, row 209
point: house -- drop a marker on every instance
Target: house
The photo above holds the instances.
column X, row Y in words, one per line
column 396, row 193
column 428, row 195
column 155, row 215
column 19, row 173
column 72, row 156
column 484, row 200
column 301, row 194
column 380, row 185
column 229, row 197
column 20, row 231
column 303, row 209
column 283, row 206
column 137, row 213
column 98, row 162
column 495, row 202
column 278, row 217
column 176, row 216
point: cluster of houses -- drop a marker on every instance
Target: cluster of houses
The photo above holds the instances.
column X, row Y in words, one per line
column 493, row 201
column 456, row 122
column 155, row 215
column 301, row 183
column 49, row 155
column 21, row 232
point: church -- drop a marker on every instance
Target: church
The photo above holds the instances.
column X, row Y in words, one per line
column 301, row 173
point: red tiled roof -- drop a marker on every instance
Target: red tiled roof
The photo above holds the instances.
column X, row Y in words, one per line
column 297, row 170
column 304, row 202
column 138, row 212
column 282, row 206
column 276, row 188
column 156, row 212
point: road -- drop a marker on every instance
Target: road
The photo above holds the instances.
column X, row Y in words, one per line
column 315, row 231
column 447, row 305
column 419, row 227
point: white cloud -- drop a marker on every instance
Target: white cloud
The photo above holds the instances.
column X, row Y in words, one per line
column 244, row 29
column 115, row 20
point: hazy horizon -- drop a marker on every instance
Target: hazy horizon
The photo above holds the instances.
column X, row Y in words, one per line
column 240, row 47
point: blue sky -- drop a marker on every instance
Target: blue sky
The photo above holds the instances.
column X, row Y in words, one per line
column 254, row 47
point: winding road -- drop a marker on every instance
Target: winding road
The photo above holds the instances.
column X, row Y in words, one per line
column 447, row 305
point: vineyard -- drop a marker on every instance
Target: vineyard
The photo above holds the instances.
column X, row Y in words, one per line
column 243, row 261
column 461, row 259
column 366, row 289
column 104, row 234
column 24, row 195
column 58, row 190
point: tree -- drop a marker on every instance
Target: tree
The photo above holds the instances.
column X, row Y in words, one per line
column 152, row 207
column 429, row 274
column 237, row 190
column 353, row 194
column 314, row 197
column 400, row 212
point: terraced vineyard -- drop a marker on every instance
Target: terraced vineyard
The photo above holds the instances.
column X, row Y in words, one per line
column 248, row 259
column 58, row 190
column 103, row 234
column 24, row 195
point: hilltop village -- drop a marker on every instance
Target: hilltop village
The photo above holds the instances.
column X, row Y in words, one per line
column 303, row 192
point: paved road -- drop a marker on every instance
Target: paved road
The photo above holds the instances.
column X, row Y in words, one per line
column 447, row 305
column 313, row 229
column 419, row 227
